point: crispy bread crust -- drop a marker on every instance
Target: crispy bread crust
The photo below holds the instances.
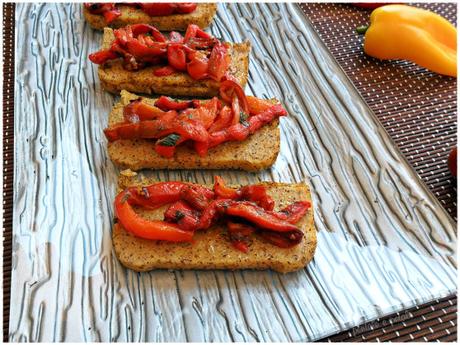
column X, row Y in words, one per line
column 202, row 17
column 212, row 249
column 115, row 78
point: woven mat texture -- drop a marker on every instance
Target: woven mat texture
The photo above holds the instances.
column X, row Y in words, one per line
column 419, row 111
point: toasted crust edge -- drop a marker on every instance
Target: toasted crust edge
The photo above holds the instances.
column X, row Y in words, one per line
column 202, row 17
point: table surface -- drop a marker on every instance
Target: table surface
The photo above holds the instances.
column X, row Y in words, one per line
column 435, row 174
column 419, row 111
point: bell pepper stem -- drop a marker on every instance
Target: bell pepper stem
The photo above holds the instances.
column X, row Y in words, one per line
column 362, row 29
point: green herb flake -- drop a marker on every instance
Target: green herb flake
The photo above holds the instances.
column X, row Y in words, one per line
column 244, row 119
column 170, row 140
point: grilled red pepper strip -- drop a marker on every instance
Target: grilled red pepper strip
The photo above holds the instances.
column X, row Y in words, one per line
column 102, row 56
column 230, row 89
column 148, row 229
column 257, row 105
column 256, row 215
column 222, row 191
column 282, row 239
column 239, row 235
column 108, row 10
column 294, row 212
column 164, row 71
column 137, row 111
column 187, row 129
column 222, row 120
column 254, row 193
column 195, row 197
column 219, row 61
column 166, row 103
column 183, row 215
column 163, row 193
column 242, row 131
column 150, row 129
column 258, row 194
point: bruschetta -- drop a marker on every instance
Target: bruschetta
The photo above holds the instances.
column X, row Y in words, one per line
column 229, row 132
column 177, row 225
column 140, row 59
column 164, row 16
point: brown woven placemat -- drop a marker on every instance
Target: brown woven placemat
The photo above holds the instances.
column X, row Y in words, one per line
column 419, row 111
column 8, row 149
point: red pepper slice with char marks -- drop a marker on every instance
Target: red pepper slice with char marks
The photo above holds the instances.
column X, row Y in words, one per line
column 294, row 212
column 144, row 52
column 137, row 110
column 102, row 56
column 164, row 71
column 194, row 196
column 163, row 193
column 239, row 235
column 148, row 229
column 183, row 215
column 167, row 103
column 258, row 194
column 239, row 131
column 149, row 129
column 282, row 239
column 230, row 89
column 158, row 9
column 257, row 215
column 219, row 61
column 222, row 191
column 176, row 57
column 222, row 121
column 197, row 68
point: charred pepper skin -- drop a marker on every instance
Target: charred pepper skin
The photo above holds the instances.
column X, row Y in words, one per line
column 401, row 32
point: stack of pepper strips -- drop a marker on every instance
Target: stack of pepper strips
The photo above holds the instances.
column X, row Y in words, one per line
column 202, row 124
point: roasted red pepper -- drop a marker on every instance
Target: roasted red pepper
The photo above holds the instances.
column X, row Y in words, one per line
column 148, row 229
column 256, row 215
column 241, row 131
column 224, row 192
column 137, row 111
column 194, row 207
column 164, row 71
column 198, row 54
column 102, row 56
column 206, row 123
column 282, row 239
column 258, row 194
column 240, row 235
column 167, row 103
column 219, row 61
column 110, row 11
column 294, row 212
column 185, row 216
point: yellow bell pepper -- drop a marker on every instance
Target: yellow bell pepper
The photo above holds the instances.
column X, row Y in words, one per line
column 410, row 33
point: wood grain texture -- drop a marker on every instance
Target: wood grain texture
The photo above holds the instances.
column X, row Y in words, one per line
column 384, row 242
